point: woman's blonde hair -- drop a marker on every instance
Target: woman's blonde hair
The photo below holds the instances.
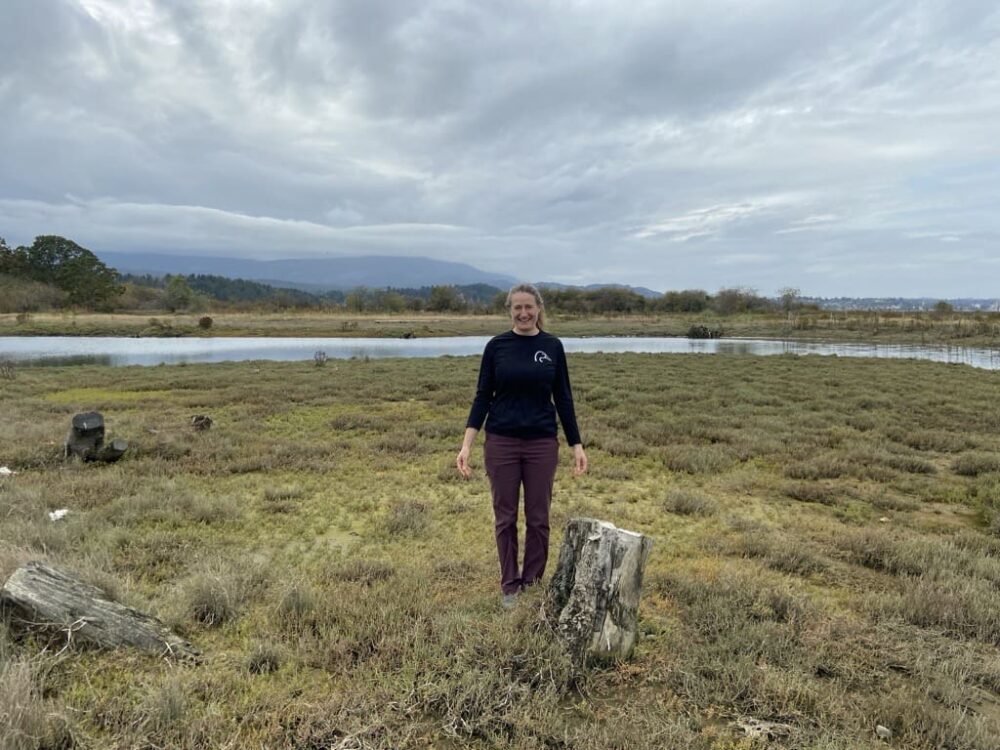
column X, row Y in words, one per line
column 533, row 291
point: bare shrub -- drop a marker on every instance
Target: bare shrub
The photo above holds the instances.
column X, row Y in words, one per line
column 297, row 601
column 406, row 518
column 689, row 503
column 878, row 550
column 780, row 553
column 811, row 492
column 618, row 472
column 406, row 444
column 435, row 429
column 888, row 501
column 963, row 607
column 987, row 499
column 455, row 570
column 220, row 594
column 820, row 467
column 282, row 499
column 165, row 707
column 348, row 422
column 910, row 464
column 932, row 559
column 974, row 464
column 933, row 440
column 697, row 459
column 618, row 445
column 360, row 570
column 718, row 604
column 27, row 720
column 264, row 658
column 934, row 725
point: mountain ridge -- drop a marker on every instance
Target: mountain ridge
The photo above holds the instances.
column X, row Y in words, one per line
column 313, row 274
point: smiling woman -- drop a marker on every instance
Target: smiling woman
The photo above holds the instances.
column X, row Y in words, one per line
column 523, row 385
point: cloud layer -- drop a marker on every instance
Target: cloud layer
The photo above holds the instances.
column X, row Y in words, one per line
column 848, row 149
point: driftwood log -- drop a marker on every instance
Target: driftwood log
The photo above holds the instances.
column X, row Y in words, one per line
column 593, row 598
column 43, row 597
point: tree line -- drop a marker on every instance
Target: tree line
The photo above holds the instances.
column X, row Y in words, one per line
column 54, row 272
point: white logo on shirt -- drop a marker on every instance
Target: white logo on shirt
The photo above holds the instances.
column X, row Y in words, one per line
column 541, row 356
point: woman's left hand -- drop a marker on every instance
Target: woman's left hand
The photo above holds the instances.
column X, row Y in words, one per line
column 579, row 460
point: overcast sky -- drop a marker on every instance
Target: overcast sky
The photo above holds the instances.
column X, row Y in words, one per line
column 844, row 148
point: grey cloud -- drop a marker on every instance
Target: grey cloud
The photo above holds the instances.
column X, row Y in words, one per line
column 778, row 144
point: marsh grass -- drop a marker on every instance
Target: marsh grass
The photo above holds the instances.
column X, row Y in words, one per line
column 987, row 497
column 974, row 464
column 28, row 720
column 165, row 706
column 264, row 658
column 406, row 518
column 780, row 553
column 825, row 555
column 689, row 503
column 812, row 492
column 222, row 589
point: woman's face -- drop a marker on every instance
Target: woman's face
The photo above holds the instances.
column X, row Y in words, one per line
column 524, row 313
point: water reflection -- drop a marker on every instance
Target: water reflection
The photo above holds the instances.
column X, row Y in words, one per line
column 46, row 351
column 735, row 347
column 63, row 361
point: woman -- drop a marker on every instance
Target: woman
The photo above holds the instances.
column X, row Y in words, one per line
column 523, row 384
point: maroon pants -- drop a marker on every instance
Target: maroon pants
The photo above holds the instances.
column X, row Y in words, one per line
column 511, row 462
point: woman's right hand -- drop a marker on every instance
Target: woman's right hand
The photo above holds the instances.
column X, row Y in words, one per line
column 462, row 462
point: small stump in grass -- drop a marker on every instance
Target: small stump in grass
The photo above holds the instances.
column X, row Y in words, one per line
column 593, row 598
column 86, row 440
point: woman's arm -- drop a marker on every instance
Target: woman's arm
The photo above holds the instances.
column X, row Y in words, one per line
column 562, row 395
column 462, row 462
column 485, row 387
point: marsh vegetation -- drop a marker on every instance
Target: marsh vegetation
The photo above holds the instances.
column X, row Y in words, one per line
column 957, row 328
column 826, row 555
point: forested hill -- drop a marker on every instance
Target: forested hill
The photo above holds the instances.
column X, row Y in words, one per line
column 236, row 290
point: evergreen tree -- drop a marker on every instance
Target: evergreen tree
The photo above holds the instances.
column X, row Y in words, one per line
column 55, row 260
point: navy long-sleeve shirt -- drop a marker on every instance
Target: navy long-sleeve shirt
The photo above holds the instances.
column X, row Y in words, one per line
column 523, row 384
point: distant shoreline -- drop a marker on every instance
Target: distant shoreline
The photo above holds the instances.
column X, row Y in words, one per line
column 980, row 329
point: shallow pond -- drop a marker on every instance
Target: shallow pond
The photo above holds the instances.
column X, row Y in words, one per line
column 118, row 351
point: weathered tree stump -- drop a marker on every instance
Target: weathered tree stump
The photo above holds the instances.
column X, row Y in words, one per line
column 86, row 435
column 112, row 451
column 86, row 440
column 43, row 597
column 593, row 597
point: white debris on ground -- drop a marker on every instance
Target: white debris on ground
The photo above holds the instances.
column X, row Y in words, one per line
column 5, row 472
column 55, row 515
column 767, row 730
